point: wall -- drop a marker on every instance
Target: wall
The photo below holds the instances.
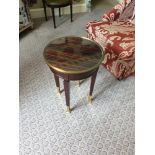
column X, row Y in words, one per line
column 81, row 6
column 37, row 10
column 37, row 5
column 40, row 5
column 113, row 2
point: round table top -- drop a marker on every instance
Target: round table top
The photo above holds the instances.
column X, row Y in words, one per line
column 73, row 55
column 58, row 2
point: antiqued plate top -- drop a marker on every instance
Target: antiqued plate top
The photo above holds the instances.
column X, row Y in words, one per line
column 73, row 54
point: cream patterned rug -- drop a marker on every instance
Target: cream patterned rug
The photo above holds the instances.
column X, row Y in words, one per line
column 104, row 128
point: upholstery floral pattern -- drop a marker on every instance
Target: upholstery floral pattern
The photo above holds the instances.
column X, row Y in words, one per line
column 117, row 37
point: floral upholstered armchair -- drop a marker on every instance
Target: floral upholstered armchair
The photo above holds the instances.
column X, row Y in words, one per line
column 116, row 34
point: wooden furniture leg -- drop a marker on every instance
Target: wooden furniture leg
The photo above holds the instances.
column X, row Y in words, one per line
column 44, row 5
column 71, row 12
column 59, row 12
column 57, row 83
column 53, row 16
column 93, row 78
column 67, row 94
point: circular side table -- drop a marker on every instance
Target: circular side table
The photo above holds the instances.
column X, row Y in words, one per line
column 57, row 4
column 73, row 58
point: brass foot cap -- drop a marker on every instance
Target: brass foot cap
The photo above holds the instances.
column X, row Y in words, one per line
column 58, row 91
column 78, row 83
column 90, row 98
column 68, row 109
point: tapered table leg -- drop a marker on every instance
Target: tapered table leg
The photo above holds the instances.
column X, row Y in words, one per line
column 71, row 12
column 59, row 12
column 53, row 16
column 57, row 83
column 67, row 94
column 93, row 78
column 44, row 5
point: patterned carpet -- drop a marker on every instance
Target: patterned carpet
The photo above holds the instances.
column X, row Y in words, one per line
column 104, row 128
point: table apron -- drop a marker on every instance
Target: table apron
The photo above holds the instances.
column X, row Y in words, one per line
column 73, row 77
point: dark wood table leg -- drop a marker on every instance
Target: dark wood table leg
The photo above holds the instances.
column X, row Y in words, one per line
column 71, row 12
column 44, row 5
column 57, row 83
column 53, row 16
column 59, row 12
column 93, row 78
column 67, row 94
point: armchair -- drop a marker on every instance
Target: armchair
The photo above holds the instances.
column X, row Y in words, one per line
column 115, row 32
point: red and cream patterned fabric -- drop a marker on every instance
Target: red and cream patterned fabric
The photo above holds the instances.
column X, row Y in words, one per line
column 116, row 34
